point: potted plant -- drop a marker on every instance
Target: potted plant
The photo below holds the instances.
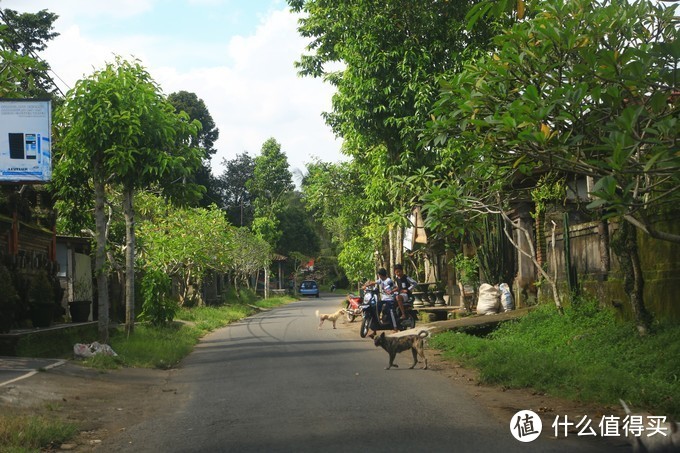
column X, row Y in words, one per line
column 8, row 299
column 41, row 300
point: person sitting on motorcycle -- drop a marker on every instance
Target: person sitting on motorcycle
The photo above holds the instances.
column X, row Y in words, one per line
column 387, row 291
column 405, row 285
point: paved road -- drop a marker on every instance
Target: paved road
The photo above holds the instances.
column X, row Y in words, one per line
column 275, row 383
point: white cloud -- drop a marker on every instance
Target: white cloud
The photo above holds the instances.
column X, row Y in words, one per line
column 248, row 82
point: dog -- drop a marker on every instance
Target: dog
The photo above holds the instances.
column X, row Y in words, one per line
column 332, row 317
column 394, row 345
column 666, row 440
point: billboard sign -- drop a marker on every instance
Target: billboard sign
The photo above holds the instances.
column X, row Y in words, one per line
column 25, row 140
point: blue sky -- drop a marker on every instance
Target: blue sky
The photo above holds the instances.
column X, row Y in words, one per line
column 236, row 55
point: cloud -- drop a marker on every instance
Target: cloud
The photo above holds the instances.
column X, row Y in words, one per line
column 247, row 81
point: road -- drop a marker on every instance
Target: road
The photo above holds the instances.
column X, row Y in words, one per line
column 276, row 383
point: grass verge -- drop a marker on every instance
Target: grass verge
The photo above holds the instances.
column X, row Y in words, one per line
column 587, row 355
column 33, row 433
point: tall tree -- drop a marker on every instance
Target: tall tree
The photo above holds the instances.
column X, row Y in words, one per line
column 120, row 127
column 271, row 181
column 22, row 36
column 237, row 199
column 185, row 101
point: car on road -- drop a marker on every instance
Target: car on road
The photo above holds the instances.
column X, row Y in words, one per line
column 309, row 288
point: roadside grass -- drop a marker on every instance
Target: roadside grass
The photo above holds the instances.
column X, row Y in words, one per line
column 148, row 347
column 586, row 355
column 19, row 434
column 164, row 347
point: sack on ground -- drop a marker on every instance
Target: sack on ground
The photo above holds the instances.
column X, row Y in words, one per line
column 507, row 302
column 92, row 349
column 488, row 302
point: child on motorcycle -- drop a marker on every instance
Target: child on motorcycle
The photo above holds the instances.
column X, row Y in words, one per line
column 405, row 285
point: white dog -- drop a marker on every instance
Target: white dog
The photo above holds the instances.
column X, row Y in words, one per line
column 332, row 317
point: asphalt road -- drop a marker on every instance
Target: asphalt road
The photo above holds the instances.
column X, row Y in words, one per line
column 275, row 383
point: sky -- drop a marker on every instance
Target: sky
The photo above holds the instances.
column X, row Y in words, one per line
column 236, row 55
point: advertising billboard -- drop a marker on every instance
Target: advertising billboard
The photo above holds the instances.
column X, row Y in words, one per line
column 25, row 140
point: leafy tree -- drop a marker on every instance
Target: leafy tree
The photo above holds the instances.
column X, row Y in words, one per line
column 185, row 243
column 204, row 140
column 271, row 181
column 585, row 88
column 120, row 128
column 392, row 54
column 22, row 36
column 298, row 231
column 233, row 182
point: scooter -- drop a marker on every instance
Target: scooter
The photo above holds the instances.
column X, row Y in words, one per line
column 353, row 308
column 375, row 319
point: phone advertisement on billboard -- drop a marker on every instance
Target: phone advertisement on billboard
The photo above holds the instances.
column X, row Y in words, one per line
column 25, row 140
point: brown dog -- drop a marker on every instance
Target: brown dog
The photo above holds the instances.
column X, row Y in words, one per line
column 332, row 317
column 394, row 345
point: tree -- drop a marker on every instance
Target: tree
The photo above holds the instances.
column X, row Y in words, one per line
column 22, row 36
column 271, row 181
column 120, row 128
column 392, row 55
column 233, row 182
column 582, row 88
column 185, row 243
column 205, row 140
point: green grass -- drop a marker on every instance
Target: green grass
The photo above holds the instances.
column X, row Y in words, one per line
column 164, row 347
column 33, row 433
column 587, row 355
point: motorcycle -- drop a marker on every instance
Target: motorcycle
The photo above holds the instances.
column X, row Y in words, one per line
column 374, row 320
column 353, row 308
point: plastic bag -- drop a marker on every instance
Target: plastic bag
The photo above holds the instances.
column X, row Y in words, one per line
column 92, row 349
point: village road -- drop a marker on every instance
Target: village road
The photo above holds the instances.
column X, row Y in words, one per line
column 276, row 383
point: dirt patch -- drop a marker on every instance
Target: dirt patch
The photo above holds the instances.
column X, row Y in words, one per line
column 99, row 403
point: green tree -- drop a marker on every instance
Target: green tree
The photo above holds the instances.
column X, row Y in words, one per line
column 233, row 184
column 270, row 183
column 585, row 88
column 122, row 130
column 22, row 36
column 185, row 243
column 205, row 140
column 392, row 54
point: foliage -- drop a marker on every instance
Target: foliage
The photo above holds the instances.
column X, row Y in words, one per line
column 587, row 355
column 204, row 140
column 233, row 182
column 158, row 307
column 583, row 87
column 391, row 55
column 22, row 35
column 271, row 181
column 184, row 243
column 468, row 270
column 357, row 259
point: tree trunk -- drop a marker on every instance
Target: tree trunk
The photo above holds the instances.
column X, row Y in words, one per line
column 128, row 208
column 624, row 244
column 100, row 254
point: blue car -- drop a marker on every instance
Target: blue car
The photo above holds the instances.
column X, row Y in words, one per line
column 309, row 288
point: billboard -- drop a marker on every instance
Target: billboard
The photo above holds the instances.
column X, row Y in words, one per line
column 25, row 140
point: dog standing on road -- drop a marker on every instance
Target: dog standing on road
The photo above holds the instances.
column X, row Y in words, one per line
column 667, row 439
column 332, row 317
column 394, row 345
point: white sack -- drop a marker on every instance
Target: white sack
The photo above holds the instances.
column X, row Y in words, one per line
column 488, row 302
column 507, row 301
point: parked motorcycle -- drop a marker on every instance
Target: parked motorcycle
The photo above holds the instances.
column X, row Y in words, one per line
column 353, row 308
column 375, row 320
